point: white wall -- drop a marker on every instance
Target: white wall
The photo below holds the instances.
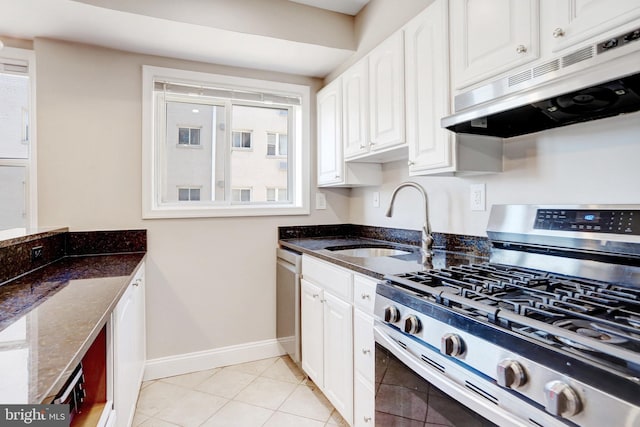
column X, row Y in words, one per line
column 210, row 282
column 595, row 162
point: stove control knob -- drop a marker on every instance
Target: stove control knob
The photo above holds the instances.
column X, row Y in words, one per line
column 411, row 324
column 391, row 314
column 452, row 345
column 511, row 374
column 562, row 400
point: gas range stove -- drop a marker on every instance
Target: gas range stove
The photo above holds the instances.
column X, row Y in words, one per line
column 547, row 331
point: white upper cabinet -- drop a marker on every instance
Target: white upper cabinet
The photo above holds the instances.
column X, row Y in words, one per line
column 355, row 89
column 489, row 37
column 432, row 149
column 386, row 93
column 330, row 156
column 427, row 78
column 567, row 23
column 332, row 170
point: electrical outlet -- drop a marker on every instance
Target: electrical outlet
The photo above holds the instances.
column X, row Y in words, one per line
column 477, row 197
column 36, row 253
column 376, row 199
column 321, row 201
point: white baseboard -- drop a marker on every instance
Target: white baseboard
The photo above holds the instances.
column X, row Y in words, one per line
column 208, row 359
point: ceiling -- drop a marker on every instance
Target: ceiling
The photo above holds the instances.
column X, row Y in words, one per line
column 349, row 7
column 305, row 37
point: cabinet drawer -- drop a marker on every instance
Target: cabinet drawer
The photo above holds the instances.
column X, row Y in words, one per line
column 336, row 280
column 363, row 345
column 364, row 293
column 364, row 403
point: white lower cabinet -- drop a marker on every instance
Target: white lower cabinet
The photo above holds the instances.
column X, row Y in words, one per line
column 338, row 347
column 338, row 355
column 327, row 331
column 312, row 331
column 327, row 345
column 128, row 341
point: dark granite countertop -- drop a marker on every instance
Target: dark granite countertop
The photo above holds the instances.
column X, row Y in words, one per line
column 50, row 315
column 449, row 250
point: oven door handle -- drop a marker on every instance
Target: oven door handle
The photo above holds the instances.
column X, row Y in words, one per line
column 443, row 382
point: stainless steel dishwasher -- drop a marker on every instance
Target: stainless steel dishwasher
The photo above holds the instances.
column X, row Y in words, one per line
column 288, row 270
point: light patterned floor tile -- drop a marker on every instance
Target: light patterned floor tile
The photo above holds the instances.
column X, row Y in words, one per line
column 152, row 422
column 190, row 380
column 226, row 383
column 336, row 420
column 254, row 368
column 266, row 393
column 309, row 402
column 238, row 414
column 138, row 419
column 284, row 369
column 146, row 384
column 281, row 419
column 157, row 396
column 192, row 409
column 269, row 392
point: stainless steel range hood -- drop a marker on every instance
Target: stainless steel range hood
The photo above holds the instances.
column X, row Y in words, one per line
column 596, row 81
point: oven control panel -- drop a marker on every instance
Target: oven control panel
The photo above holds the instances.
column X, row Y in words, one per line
column 581, row 220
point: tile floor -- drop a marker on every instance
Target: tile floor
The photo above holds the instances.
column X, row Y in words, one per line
column 269, row 392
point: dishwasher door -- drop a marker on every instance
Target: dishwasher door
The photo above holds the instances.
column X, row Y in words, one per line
column 288, row 270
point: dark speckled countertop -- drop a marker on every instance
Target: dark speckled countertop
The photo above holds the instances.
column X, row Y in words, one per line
column 448, row 249
column 50, row 315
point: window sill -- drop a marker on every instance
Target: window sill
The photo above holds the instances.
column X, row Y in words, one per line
column 166, row 212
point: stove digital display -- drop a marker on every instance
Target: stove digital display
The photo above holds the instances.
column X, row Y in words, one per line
column 587, row 217
column 601, row 221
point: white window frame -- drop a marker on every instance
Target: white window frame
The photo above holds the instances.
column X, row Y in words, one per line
column 277, row 145
column 298, row 203
column 189, row 145
column 30, row 163
column 241, row 131
column 185, row 187
column 241, row 189
column 277, row 192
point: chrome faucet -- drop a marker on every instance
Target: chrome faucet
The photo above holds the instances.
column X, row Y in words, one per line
column 427, row 239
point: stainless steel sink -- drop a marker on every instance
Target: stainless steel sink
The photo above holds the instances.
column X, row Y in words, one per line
column 370, row 252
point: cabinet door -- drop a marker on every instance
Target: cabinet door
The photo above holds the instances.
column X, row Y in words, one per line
column 330, row 157
column 427, row 72
column 573, row 21
column 312, row 331
column 129, row 350
column 386, row 92
column 355, row 110
column 489, row 37
column 338, row 355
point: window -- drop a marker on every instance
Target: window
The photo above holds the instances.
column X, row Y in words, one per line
column 188, row 136
column 240, row 139
column 233, row 121
column 276, row 144
column 17, row 145
column 188, row 194
column 276, row 194
column 241, row 194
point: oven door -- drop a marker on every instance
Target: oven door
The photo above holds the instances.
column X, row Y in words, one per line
column 415, row 383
